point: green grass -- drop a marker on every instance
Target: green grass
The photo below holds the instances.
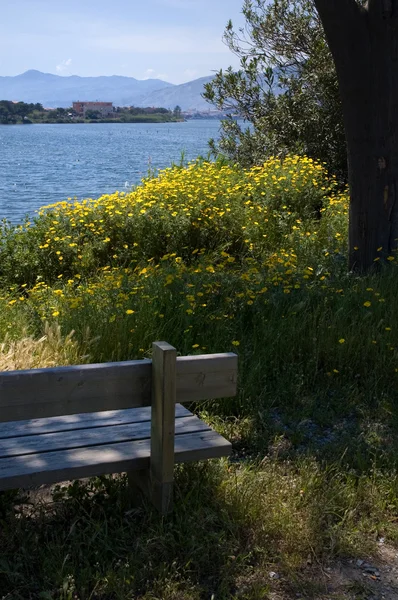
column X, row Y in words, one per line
column 314, row 428
column 253, row 518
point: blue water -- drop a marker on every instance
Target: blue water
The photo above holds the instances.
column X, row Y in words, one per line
column 42, row 164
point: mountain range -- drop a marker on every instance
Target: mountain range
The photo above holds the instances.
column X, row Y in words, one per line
column 59, row 91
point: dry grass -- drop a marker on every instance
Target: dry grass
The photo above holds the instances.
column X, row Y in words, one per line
column 52, row 349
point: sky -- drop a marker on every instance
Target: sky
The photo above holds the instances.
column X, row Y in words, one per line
column 173, row 40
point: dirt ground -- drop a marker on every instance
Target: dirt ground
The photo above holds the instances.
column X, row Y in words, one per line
column 373, row 578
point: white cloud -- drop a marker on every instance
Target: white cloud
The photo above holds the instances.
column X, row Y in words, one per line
column 64, row 66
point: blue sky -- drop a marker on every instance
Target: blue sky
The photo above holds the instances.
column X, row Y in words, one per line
column 175, row 40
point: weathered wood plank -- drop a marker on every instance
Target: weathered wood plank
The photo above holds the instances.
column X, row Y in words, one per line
column 109, row 386
column 98, row 436
column 206, row 376
column 161, row 473
column 74, row 389
column 14, row 429
column 50, row 467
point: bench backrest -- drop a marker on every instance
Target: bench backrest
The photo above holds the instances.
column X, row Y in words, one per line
column 53, row 392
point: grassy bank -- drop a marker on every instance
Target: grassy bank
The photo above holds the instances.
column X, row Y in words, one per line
column 212, row 258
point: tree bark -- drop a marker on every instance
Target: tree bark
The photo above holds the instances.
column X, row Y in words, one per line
column 364, row 45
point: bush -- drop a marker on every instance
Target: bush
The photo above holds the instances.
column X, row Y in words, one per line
column 207, row 207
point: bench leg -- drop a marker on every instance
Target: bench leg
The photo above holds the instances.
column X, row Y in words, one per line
column 162, row 496
column 157, row 482
column 159, row 493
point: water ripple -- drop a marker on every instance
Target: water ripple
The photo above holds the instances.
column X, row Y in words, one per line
column 42, row 164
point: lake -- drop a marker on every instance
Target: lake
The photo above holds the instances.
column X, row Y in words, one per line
column 43, row 164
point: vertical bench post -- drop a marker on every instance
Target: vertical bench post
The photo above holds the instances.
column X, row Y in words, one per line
column 164, row 358
column 157, row 482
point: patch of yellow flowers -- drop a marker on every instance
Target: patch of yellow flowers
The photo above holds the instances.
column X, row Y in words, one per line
column 276, row 223
column 192, row 247
column 206, row 206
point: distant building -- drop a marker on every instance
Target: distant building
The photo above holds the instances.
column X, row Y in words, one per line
column 105, row 109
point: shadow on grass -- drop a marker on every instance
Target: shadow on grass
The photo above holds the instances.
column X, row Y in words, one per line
column 233, row 524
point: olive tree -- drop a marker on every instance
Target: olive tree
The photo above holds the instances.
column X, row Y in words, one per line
column 286, row 87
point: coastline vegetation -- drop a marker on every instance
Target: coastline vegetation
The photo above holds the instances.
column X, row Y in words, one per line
column 213, row 258
column 20, row 113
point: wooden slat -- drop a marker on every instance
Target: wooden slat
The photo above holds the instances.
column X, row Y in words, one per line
column 109, row 386
column 14, row 429
column 48, row 442
column 161, row 472
column 206, row 376
column 37, row 469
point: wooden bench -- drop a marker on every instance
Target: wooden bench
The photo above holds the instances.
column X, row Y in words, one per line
column 71, row 422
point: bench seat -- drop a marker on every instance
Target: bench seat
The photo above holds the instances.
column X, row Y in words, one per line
column 46, row 450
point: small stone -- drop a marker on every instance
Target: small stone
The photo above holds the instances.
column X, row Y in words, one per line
column 273, row 575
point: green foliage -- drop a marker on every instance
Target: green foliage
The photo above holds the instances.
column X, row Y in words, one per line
column 137, row 110
column 12, row 113
column 16, row 112
column 286, row 88
column 93, row 114
column 177, row 112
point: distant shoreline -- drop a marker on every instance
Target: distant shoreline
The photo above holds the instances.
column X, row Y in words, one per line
column 22, row 113
column 88, row 122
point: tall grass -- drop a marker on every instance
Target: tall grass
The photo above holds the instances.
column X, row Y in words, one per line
column 212, row 258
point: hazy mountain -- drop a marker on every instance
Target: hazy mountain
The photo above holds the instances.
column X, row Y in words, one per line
column 186, row 95
column 54, row 90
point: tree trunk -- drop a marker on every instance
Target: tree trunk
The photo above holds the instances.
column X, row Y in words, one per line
column 364, row 45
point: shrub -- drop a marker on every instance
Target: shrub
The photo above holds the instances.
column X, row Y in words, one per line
column 207, row 207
